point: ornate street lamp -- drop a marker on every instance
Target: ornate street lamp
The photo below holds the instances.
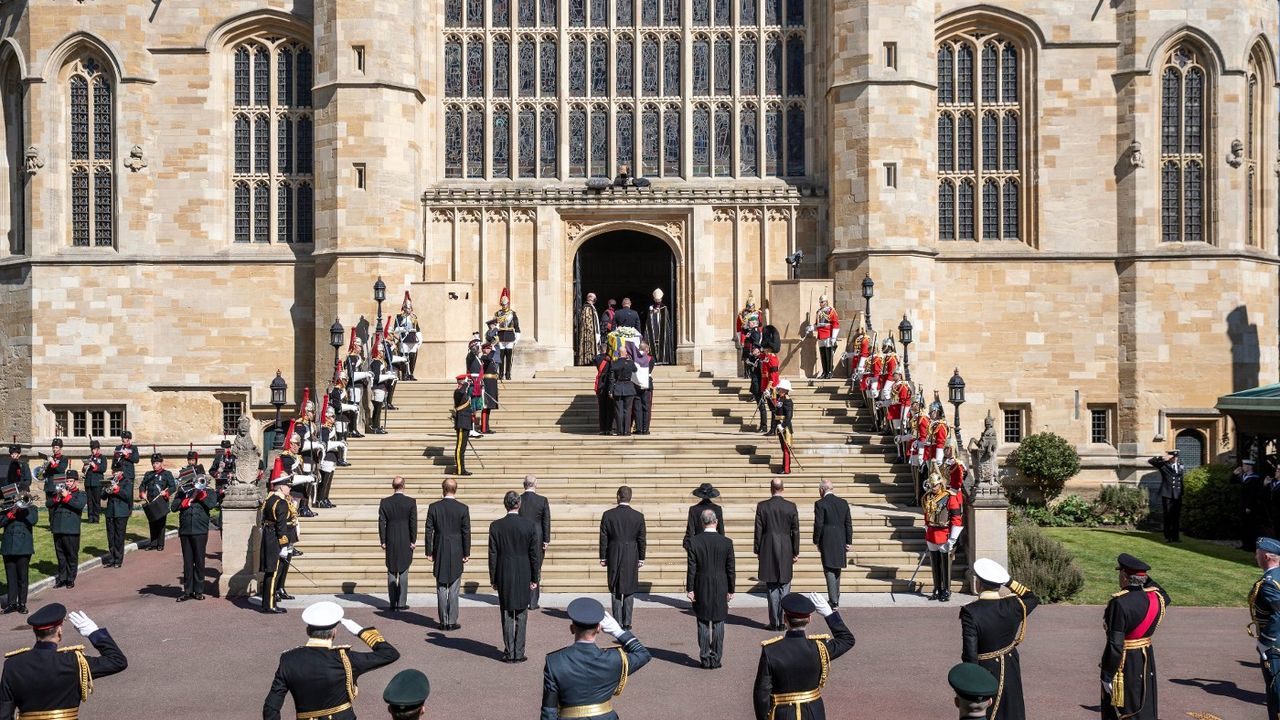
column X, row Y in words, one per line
column 955, row 393
column 904, row 334
column 868, row 291
column 379, row 294
column 278, row 389
column 335, row 339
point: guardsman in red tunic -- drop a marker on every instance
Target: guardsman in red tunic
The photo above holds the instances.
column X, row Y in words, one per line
column 921, row 428
column 887, row 372
column 782, row 411
column 827, row 327
column 872, row 369
column 939, row 432
column 899, row 410
column 943, row 523
column 768, row 380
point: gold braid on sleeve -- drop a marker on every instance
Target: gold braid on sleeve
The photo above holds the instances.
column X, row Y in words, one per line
column 352, row 690
column 825, row 657
column 626, row 667
column 86, row 677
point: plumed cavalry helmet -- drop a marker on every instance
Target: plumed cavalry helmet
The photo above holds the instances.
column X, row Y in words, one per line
column 407, row 305
column 936, row 410
column 505, row 298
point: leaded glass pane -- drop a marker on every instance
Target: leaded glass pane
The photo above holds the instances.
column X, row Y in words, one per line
column 1009, row 74
column 501, row 143
column 475, row 68
column 101, row 119
column 243, row 147
column 599, row 13
column 501, row 13
column 747, row 12
column 284, row 145
column 527, row 145
column 261, row 76
column 475, row 143
column 772, row 141
column 701, row 67
column 773, row 66
column 650, row 142
column 724, row 12
column 453, row 13
column 261, row 213
column 650, row 67
column 284, row 76
column 624, row 13
column 527, row 13
column 671, row 13
column 304, row 77
column 453, row 69
column 242, row 75
column 964, row 143
column 772, row 12
column 528, row 67
column 577, row 13
column 947, row 210
column 701, row 12
column 990, row 142
column 946, row 142
column 475, row 13
column 747, row 143
column 599, row 67
column 501, row 70
column 305, row 140
column 1011, row 217
column 1170, row 199
column 284, row 213
column 723, row 137
column 549, row 60
column 1170, row 103
column 795, row 66
column 549, row 142
column 966, row 210
column 80, row 207
column 242, row 213
column 624, row 81
column 795, row 12
column 548, row 12
column 701, row 142
column 964, row 76
column 453, row 143
column 306, row 213
column 650, row 13
column 747, row 65
column 990, row 68
column 103, row 208
column 577, row 67
column 1192, row 114
column 795, row 141
column 261, row 144
column 671, row 67
column 671, row 142
column 723, row 65
column 990, row 210
column 624, row 122
column 577, row 142
column 946, row 81
column 1193, row 199
column 79, row 118
column 599, row 142
column 1010, row 145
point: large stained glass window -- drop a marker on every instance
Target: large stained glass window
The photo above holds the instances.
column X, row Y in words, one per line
column 1183, row 181
column 92, row 124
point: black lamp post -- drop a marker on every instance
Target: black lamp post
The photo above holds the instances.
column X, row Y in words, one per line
column 335, row 339
column 379, row 294
column 904, row 334
column 278, row 389
column 955, row 393
column 868, row 291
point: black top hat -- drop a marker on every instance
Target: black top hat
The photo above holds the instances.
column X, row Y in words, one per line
column 706, row 491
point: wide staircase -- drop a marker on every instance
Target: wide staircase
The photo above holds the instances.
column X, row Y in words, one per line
column 702, row 430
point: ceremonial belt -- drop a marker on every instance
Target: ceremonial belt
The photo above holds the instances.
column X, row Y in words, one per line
column 63, row 714
column 795, row 699
column 490, row 375
column 1137, row 643
column 585, row 711
column 999, row 655
column 330, row 712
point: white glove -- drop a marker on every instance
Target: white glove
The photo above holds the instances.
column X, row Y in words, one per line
column 82, row 623
column 284, row 553
column 610, row 626
column 820, row 604
column 352, row 626
column 955, row 533
column 945, row 547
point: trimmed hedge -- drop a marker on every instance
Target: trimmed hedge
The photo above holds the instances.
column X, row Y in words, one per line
column 1048, row 461
column 1043, row 564
column 1210, row 503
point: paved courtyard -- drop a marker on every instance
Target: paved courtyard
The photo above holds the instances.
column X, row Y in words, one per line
column 215, row 658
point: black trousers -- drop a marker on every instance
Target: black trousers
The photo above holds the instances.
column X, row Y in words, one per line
column 1172, row 517
column 15, row 577
column 115, row 539
column 322, row 490
column 622, row 413
column 605, row 409
column 825, row 354
column 505, row 357
column 460, row 450
column 644, row 400
column 67, row 548
column 95, row 504
column 155, row 529
column 273, row 582
column 193, row 547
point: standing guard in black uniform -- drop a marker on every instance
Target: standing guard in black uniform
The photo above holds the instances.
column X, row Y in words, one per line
column 193, row 507
column 19, row 472
column 992, row 628
column 45, row 681
column 95, row 469
column 65, row 507
column 623, row 392
column 462, row 424
column 276, row 546
column 55, row 468
column 581, row 680
column 508, row 326
column 17, row 546
column 119, row 494
column 1128, row 660
column 1171, row 472
column 492, row 373
column 795, row 666
column 322, row 676
column 157, row 483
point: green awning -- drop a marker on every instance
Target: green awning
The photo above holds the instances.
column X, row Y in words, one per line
column 1254, row 412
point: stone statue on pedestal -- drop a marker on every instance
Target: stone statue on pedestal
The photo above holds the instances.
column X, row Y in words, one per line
column 982, row 451
column 245, row 484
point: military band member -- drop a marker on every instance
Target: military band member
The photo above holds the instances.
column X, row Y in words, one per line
column 17, row 546
column 777, row 545
column 322, row 677
column 406, row 694
column 513, row 573
column 707, row 493
column 119, row 495
column 193, row 507
column 157, row 483
column 18, row 473
column 991, row 629
column 66, row 505
column 833, row 534
column 709, row 582
column 508, row 333
column 536, row 509
column 827, row 328
column 782, row 410
column 1264, row 609
column 410, row 334
column 492, row 373
column 193, row 466
column 223, row 468
column 95, row 468
column 943, row 523
column 448, row 542
column 1129, row 660
column 975, row 689
column 462, row 424
column 622, row 551
column 794, row 667
column 125, row 457
column 581, row 680
column 398, row 536
column 45, row 681
column 276, row 544
column 55, row 468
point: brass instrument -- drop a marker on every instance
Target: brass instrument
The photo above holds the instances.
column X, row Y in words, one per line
column 192, row 484
column 13, row 499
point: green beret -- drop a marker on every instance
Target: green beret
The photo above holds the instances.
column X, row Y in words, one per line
column 409, row 688
column 972, row 682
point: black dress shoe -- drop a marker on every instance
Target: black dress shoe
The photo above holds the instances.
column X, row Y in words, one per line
column 9, row 609
column 274, row 611
column 69, row 585
column 184, row 597
column 464, row 472
column 344, row 464
column 284, row 595
column 354, row 434
column 198, row 596
column 22, row 609
column 519, row 659
column 392, row 407
column 379, row 431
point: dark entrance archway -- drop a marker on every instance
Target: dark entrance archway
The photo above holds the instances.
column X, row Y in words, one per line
column 622, row 264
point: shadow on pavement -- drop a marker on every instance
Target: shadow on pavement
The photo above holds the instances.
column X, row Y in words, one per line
column 1223, row 688
column 168, row 591
column 412, row 618
column 746, row 622
column 466, row 645
column 673, row 657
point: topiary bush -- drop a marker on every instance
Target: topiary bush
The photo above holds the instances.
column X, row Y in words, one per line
column 1210, row 503
column 1121, row 505
column 1043, row 564
column 1047, row 460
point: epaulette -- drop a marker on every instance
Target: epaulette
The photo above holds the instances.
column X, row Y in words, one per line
column 824, row 636
column 72, row 648
column 1149, row 589
column 341, row 647
column 770, row 641
column 19, row 651
column 1122, row 593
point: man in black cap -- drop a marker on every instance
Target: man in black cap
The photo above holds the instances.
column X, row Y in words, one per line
column 622, row 389
column 17, row 546
column 991, row 630
column 277, row 511
column 1171, row 472
column 119, row 494
column 537, row 510
column 1253, row 503
column 193, row 508
column 833, row 534
column 157, row 484
column 622, row 550
column 513, row 572
column 398, row 536
column 581, row 680
column 974, row 687
column 406, row 695
column 707, row 492
column 95, row 469
column 463, row 423
column 44, row 681
column 55, row 468
column 19, row 473
column 709, row 582
column 320, row 676
column 794, row 667
column 777, row 545
column 448, row 542
column 223, row 468
column 1264, row 608
column 1128, row 660
column 65, row 507
column 124, row 459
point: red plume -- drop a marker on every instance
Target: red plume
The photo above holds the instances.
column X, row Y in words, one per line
column 306, row 398
column 337, row 372
column 407, row 300
column 288, row 437
column 324, row 408
column 505, row 294
column 277, row 469
column 386, row 331
column 351, row 346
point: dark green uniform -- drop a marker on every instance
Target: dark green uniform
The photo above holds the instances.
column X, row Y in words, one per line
column 46, row 677
column 322, row 677
column 155, row 485
column 95, row 469
column 53, row 473
column 17, row 546
column 119, row 498
column 193, row 532
column 64, row 522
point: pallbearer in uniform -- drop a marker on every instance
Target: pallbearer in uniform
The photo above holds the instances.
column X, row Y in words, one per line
column 794, row 667
column 398, row 536
column 768, row 368
column 833, row 534
column 475, row 374
column 119, row 495
column 410, row 335
column 581, row 680
column 492, row 372
column 19, row 473
column 707, row 494
column 1264, row 608
column 156, row 483
column 943, row 523
column 537, row 510
column 17, row 546
column 65, row 508
column 55, row 468
column 604, row 402
column 321, row 676
column 975, row 689
column 462, row 424
column 276, row 546
column 782, row 410
column 991, row 629
column 46, row 681
column 1129, row 660
column 709, row 582
column 621, row 374
column 513, row 572
column 827, row 328
column 622, row 550
column 508, row 333
column 448, row 542
column 193, row 503
column 95, row 469
column 777, row 545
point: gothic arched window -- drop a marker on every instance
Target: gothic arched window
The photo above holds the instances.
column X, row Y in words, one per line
column 701, row 12
column 795, row 140
column 453, row 142
column 548, row 141
column 747, row 12
column 92, row 112
column 624, row 128
column 501, row 142
column 773, row 65
column 650, row 66
column 501, row 13
column 475, row 67
column 747, row 65
column 724, row 13
column 723, row 137
column 626, row 13
column 475, row 142
column 599, row 141
column 528, row 66
column 1184, row 85
column 577, row 141
column 527, row 142
column 700, row 64
column 1259, row 118
column 795, row 65
column 747, row 142
column 452, row 68
column 671, row 13
column 671, row 141
column 527, row 13
column 577, row 66
column 549, row 60
column 723, row 65
column 671, row 66
column 650, row 13
column 624, row 77
column 502, row 67
column 599, row 67
column 701, row 141
column 651, row 141
column 773, row 139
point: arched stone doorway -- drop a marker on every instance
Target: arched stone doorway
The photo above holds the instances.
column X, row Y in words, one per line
column 625, row 264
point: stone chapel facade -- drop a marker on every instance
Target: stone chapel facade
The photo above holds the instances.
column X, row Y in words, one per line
column 1073, row 202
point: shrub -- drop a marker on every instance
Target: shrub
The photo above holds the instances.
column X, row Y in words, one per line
column 1043, row 564
column 1210, row 503
column 1075, row 510
column 1047, row 461
column 1121, row 505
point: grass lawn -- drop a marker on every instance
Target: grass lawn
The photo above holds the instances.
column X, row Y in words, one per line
column 1194, row 572
column 93, row 542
